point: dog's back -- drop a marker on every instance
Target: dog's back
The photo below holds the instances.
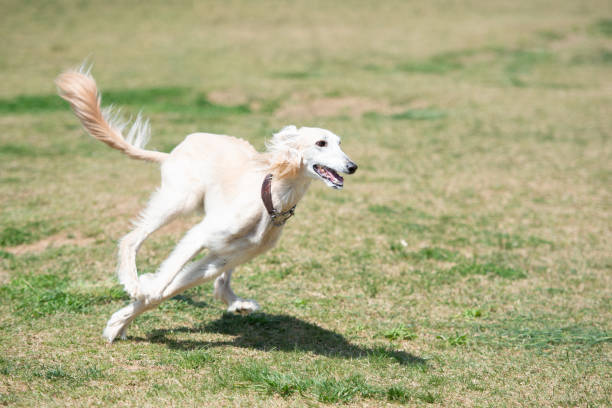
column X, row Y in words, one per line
column 213, row 165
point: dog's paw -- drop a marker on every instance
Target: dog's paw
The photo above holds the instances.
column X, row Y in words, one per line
column 116, row 327
column 243, row 306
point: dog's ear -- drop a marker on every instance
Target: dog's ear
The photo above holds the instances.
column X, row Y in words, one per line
column 285, row 140
column 286, row 156
column 286, row 133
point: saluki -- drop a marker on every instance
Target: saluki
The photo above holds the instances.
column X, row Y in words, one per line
column 247, row 197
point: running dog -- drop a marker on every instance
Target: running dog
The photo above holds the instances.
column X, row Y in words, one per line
column 247, row 197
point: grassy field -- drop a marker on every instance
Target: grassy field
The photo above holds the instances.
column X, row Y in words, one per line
column 467, row 263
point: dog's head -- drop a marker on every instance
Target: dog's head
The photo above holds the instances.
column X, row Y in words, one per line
column 316, row 151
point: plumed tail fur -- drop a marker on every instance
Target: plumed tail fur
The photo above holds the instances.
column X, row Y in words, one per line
column 79, row 88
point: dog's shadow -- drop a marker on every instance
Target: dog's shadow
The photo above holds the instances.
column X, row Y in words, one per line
column 268, row 332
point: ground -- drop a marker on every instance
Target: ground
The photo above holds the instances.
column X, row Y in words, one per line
column 466, row 263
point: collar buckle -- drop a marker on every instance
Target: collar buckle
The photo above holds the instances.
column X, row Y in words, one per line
column 281, row 218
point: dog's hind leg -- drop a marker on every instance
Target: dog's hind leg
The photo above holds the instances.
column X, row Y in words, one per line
column 164, row 206
column 223, row 291
column 191, row 275
column 117, row 324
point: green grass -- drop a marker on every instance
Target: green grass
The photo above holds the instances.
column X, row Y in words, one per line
column 171, row 99
column 437, row 64
column 466, row 263
column 31, row 103
column 23, row 234
column 604, row 27
column 454, row 340
column 35, row 296
column 576, row 336
column 488, row 268
column 420, row 114
column 510, row 66
column 323, row 388
column 57, row 373
column 400, row 332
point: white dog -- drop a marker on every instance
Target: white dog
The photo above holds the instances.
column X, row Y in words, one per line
column 247, row 197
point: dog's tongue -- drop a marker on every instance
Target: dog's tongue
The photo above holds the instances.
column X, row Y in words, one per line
column 335, row 177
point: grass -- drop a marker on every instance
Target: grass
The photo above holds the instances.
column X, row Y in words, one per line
column 466, row 263
column 23, row 234
column 420, row 114
column 400, row 332
column 322, row 388
column 576, row 336
column 35, row 296
column 603, row 27
column 54, row 372
column 171, row 99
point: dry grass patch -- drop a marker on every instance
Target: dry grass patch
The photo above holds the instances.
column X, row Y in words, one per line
column 54, row 241
column 297, row 107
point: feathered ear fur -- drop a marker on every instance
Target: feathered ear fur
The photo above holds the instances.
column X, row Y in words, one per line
column 287, row 132
column 285, row 159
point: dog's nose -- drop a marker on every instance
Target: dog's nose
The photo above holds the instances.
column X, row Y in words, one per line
column 351, row 168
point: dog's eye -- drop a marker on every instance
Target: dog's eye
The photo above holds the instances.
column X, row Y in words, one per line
column 321, row 143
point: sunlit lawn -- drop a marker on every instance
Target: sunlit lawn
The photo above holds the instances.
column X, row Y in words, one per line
column 467, row 262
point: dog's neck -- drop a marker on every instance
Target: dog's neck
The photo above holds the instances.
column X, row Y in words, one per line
column 288, row 191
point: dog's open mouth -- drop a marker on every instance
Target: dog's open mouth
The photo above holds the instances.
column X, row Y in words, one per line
column 329, row 175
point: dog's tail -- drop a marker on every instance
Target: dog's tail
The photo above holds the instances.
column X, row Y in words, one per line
column 79, row 88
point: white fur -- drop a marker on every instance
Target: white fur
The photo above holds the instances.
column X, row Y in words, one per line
column 220, row 174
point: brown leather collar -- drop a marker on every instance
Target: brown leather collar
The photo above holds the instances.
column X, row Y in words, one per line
column 278, row 218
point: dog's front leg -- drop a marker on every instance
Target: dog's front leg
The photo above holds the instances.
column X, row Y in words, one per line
column 223, row 291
